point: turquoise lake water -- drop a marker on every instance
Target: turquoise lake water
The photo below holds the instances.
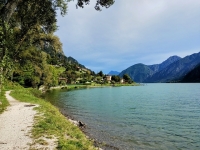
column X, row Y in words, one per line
column 149, row 117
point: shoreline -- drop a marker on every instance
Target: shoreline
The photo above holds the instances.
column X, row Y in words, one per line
column 82, row 86
column 82, row 126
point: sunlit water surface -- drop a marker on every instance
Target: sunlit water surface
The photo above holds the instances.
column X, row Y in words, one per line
column 154, row 116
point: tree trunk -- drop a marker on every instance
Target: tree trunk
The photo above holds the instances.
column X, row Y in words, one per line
column 8, row 9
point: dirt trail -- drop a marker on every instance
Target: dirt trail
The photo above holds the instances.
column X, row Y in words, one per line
column 15, row 125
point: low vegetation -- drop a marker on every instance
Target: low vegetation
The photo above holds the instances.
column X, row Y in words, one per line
column 3, row 102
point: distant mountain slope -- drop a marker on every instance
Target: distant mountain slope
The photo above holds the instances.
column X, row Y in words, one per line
column 176, row 70
column 74, row 61
column 61, row 59
column 113, row 73
column 140, row 72
column 164, row 64
column 192, row 76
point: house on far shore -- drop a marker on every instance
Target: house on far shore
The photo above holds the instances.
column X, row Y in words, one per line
column 122, row 81
column 78, row 68
column 63, row 79
column 108, row 78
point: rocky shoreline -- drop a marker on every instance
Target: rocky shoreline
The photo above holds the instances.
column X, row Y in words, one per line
column 82, row 126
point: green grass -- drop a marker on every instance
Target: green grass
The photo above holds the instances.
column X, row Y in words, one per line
column 3, row 102
column 76, row 86
column 49, row 122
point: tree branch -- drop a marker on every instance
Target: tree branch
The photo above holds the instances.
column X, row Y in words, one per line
column 8, row 9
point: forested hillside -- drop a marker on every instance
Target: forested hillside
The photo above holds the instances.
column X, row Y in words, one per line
column 138, row 72
column 30, row 53
column 193, row 76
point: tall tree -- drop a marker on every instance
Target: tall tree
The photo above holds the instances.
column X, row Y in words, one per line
column 99, row 3
column 8, row 7
column 127, row 78
column 100, row 73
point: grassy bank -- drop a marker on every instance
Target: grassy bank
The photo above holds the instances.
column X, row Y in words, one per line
column 49, row 122
column 3, row 102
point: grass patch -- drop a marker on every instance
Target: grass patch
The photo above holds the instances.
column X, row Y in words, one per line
column 3, row 102
column 76, row 86
column 51, row 123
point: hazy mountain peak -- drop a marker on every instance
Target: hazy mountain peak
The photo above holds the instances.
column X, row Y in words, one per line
column 164, row 64
column 170, row 60
column 113, row 72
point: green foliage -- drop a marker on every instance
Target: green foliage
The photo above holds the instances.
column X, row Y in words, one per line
column 26, row 29
column 3, row 102
column 127, row 78
column 100, row 73
column 115, row 78
column 192, row 76
column 99, row 3
column 7, row 86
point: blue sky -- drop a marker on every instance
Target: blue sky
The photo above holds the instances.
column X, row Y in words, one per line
column 130, row 32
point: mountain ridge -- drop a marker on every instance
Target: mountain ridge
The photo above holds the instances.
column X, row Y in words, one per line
column 139, row 72
column 176, row 70
column 113, row 72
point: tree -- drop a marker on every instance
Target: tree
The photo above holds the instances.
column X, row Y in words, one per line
column 100, row 73
column 99, row 3
column 115, row 78
column 8, row 7
column 127, row 78
column 20, row 20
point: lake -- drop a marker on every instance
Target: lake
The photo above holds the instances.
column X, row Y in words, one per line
column 149, row 117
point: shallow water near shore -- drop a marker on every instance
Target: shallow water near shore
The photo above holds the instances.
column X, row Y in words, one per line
column 153, row 116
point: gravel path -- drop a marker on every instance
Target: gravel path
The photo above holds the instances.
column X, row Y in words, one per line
column 15, row 125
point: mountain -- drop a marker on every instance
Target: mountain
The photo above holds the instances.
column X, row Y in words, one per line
column 140, row 72
column 192, row 76
column 113, row 73
column 165, row 63
column 175, row 70
column 74, row 61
